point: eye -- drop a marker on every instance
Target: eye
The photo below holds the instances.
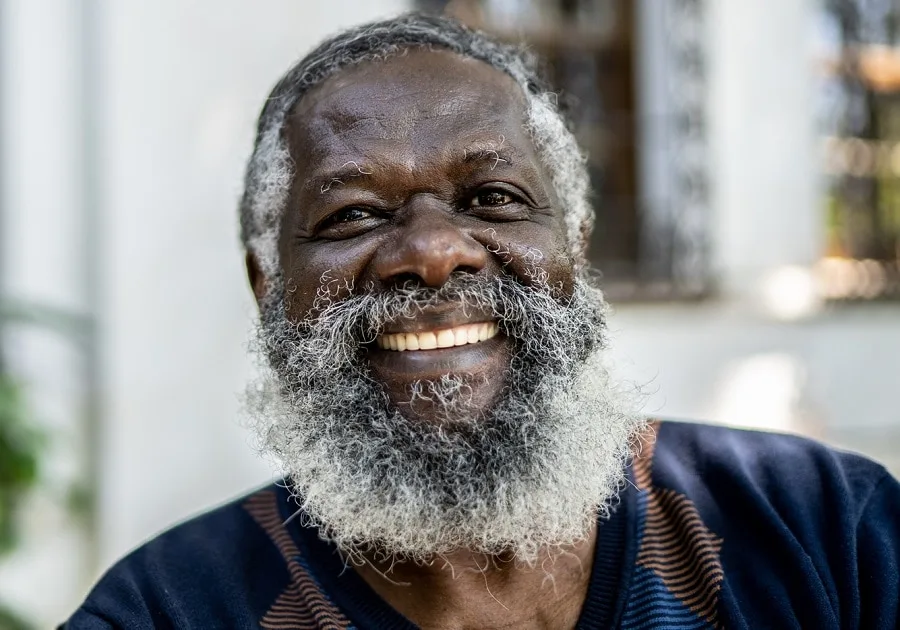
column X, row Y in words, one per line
column 491, row 198
column 348, row 222
column 345, row 215
column 497, row 202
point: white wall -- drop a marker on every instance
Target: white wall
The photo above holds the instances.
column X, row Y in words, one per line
column 833, row 375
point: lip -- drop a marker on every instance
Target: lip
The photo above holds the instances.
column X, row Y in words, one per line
column 432, row 364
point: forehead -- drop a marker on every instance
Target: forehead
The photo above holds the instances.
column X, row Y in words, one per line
column 419, row 104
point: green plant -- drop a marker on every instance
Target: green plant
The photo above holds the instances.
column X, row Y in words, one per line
column 11, row 621
column 20, row 445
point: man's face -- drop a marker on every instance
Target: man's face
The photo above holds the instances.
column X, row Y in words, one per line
column 408, row 171
column 420, row 216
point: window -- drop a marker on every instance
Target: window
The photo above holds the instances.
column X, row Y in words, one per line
column 631, row 78
column 860, row 98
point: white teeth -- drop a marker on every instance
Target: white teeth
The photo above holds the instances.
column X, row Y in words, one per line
column 427, row 341
column 446, row 338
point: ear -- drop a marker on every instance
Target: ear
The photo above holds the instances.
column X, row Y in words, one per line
column 256, row 276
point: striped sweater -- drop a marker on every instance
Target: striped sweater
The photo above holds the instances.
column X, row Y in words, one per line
column 718, row 528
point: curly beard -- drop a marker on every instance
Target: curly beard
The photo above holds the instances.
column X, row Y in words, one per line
column 532, row 472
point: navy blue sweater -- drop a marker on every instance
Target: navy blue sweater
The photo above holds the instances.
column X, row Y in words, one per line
column 719, row 528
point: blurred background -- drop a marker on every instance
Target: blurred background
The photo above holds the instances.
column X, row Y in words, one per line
column 746, row 162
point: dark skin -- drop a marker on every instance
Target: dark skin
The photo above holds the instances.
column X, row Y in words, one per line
column 410, row 170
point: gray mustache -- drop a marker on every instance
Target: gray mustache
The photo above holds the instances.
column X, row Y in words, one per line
column 367, row 314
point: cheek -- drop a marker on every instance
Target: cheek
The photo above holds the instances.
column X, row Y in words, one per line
column 526, row 249
column 314, row 269
column 561, row 270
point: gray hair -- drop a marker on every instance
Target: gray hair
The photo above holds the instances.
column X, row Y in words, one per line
column 270, row 169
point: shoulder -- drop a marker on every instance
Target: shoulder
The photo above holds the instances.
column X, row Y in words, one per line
column 223, row 565
column 799, row 530
column 786, row 472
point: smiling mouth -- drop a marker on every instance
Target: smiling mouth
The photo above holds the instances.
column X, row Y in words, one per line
column 433, row 339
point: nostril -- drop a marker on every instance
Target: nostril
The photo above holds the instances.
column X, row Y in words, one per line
column 406, row 278
column 466, row 269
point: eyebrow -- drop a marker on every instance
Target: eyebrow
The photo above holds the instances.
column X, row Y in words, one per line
column 325, row 181
column 492, row 151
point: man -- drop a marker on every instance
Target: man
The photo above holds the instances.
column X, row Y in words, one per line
column 456, row 455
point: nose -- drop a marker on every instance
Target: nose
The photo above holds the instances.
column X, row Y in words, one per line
column 429, row 248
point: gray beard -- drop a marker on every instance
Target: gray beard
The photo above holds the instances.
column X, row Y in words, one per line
column 534, row 472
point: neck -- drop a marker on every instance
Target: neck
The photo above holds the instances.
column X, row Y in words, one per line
column 466, row 590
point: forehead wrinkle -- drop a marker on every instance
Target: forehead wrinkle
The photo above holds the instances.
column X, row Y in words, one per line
column 378, row 124
column 396, row 116
column 420, row 139
column 325, row 156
